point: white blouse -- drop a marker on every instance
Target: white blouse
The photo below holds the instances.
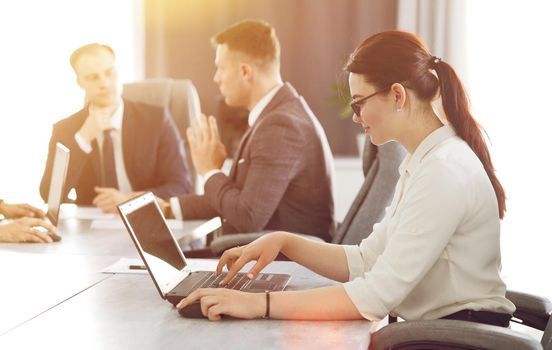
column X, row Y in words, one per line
column 437, row 250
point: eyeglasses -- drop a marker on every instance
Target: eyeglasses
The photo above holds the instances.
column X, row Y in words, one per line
column 356, row 106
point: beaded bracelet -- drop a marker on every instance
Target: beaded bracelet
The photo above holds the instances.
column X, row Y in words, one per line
column 267, row 312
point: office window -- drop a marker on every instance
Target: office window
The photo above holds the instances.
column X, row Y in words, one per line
column 38, row 86
column 510, row 71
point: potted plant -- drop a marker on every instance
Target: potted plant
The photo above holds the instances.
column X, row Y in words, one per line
column 341, row 96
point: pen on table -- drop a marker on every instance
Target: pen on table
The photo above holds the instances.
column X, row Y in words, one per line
column 136, row 267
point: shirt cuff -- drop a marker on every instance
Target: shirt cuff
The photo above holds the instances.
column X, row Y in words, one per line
column 84, row 146
column 175, row 208
column 210, row 173
column 363, row 297
column 354, row 261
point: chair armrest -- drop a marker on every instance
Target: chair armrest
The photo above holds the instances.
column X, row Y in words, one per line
column 449, row 335
column 224, row 242
column 532, row 310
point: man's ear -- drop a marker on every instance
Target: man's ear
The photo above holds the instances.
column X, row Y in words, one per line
column 399, row 96
column 246, row 71
column 79, row 82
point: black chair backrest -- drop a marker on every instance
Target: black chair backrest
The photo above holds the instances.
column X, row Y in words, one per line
column 380, row 166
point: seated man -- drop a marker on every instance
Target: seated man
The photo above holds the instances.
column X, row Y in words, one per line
column 282, row 173
column 118, row 147
column 24, row 227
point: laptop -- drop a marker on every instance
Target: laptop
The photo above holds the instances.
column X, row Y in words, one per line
column 57, row 182
column 57, row 185
column 166, row 262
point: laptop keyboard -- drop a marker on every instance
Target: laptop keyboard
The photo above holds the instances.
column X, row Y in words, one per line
column 212, row 281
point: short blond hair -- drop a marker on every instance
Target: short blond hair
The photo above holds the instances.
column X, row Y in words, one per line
column 255, row 38
column 87, row 49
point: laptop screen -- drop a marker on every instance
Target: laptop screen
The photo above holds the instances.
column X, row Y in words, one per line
column 57, row 182
column 154, row 240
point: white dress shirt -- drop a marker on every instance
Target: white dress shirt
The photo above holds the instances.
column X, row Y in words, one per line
column 437, row 249
column 116, row 125
column 253, row 116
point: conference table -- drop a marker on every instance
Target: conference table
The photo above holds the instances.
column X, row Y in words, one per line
column 67, row 294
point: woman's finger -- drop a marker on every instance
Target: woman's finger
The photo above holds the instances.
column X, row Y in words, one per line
column 257, row 268
column 194, row 296
column 215, row 312
column 42, row 236
column 207, row 302
column 34, row 211
column 236, row 267
column 227, row 259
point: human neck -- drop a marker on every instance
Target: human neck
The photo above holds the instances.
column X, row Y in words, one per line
column 421, row 126
column 105, row 107
column 263, row 87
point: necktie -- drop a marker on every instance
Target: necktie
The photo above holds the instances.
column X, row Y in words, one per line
column 109, row 173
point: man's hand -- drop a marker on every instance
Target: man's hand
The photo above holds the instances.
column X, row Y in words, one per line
column 98, row 120
column 165, row 207
column 13, row 211
column 208, row 152
column 108, row 199
column 28, row 230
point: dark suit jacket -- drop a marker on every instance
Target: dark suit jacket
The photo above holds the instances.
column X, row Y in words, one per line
column 152, row 150
column 281, row 177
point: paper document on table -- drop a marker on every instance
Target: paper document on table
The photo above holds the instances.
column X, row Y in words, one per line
column 117, row 224
column 136, row 266
column 127, row 265
column 71, row 211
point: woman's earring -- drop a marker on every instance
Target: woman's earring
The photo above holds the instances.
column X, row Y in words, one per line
column 398, row 109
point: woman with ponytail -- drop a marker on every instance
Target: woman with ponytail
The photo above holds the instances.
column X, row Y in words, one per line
column 436, row 252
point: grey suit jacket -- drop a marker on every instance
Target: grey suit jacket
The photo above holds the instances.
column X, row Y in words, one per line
column 281, row 177
column 380, row 166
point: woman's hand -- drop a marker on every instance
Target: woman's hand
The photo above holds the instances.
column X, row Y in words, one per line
column 216, row 302
column 27, row 230
column 13, row 211
column 264, row 250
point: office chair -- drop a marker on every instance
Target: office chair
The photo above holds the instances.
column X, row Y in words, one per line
column 532, row 311
column 178, row 96
column 380, row 167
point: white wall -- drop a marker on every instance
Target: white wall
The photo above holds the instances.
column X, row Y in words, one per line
column 510, row 74
column 37, row 84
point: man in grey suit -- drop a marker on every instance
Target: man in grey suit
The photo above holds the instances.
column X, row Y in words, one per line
column 282, row 173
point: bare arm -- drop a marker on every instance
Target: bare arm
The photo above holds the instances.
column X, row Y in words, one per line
column 328, row 303
column 326, row 259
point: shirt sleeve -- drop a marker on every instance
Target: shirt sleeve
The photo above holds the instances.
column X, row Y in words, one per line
column 176, row 208
column 360, row 258
column 430, row 211
column 210, row 173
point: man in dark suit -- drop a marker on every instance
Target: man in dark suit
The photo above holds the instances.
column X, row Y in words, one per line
column 118, row 147
column 282, row 173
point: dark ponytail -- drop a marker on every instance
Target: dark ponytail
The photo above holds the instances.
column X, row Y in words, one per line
column 399, row 57
column 456, row 107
